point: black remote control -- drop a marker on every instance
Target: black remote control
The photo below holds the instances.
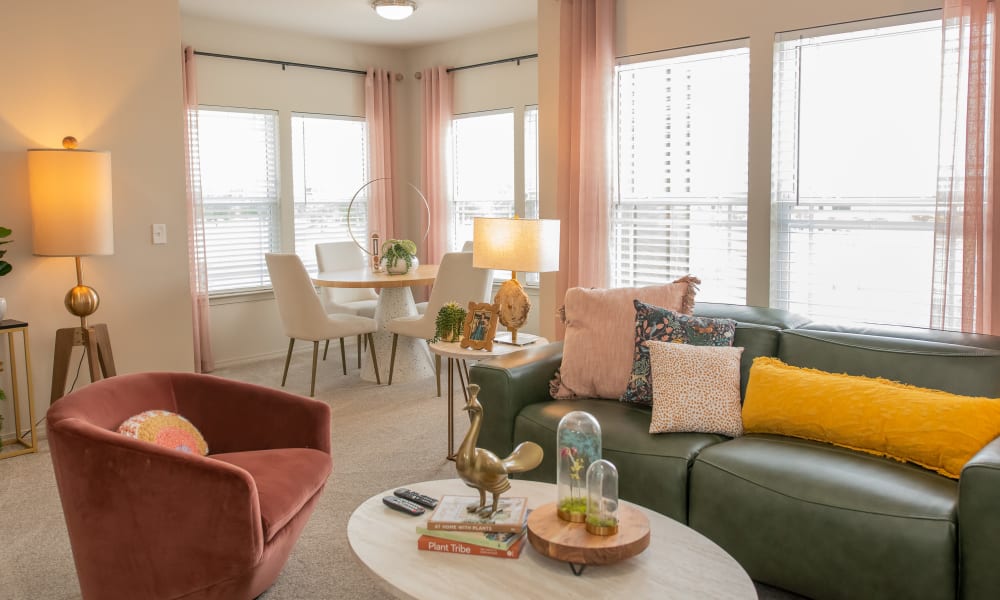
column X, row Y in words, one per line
column 403, row 505
column 417, row 497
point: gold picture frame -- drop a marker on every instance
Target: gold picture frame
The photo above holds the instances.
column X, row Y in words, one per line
column 480, row 326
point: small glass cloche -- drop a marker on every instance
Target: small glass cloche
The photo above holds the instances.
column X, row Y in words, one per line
column 602, row 498
column 578, row 444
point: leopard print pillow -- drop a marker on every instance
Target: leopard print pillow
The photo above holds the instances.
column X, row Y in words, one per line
column 695, row 388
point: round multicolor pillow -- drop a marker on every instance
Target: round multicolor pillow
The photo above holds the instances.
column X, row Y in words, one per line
column 167, row 429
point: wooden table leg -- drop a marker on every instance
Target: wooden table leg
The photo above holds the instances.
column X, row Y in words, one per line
column 451, row 409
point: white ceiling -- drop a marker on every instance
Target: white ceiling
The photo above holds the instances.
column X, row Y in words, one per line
column 355, row 21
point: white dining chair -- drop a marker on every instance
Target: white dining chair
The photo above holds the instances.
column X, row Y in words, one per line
column 339, row 256
column 457, row 281
column 422, row 306
column 303, row 316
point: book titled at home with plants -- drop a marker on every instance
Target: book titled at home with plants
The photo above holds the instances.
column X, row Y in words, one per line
column 486, row 539
column 452, row 514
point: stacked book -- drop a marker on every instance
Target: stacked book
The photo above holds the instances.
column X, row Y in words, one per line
column 452, row 528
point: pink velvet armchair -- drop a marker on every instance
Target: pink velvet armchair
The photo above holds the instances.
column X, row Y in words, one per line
column 149, row 522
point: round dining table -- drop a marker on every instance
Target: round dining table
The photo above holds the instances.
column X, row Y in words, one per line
column 413, row 360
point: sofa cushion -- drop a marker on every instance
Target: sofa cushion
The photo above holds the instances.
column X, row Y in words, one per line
column 286, row 479
column 931, row 428
column 957, row 369
column 598, row 347
column 805, row 515
column 652, row 469
column 665, row 325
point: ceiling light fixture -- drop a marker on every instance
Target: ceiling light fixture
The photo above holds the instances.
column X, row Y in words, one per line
column 394, row 10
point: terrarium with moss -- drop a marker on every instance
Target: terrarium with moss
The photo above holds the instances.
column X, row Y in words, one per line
column 602, row 498
column 578, row 445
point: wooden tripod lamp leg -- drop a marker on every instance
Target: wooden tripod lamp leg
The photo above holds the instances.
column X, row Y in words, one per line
column 96, row 345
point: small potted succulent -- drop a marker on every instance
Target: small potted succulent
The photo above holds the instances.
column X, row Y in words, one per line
column 399, row 256
column 449, row 323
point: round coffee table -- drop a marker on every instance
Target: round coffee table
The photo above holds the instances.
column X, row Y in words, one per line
column 679, row 562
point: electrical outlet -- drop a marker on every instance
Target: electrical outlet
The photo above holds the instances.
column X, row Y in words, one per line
column 159, row 233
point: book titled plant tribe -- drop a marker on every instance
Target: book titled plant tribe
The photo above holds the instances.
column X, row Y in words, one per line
column 452, row 514
column 426, row 542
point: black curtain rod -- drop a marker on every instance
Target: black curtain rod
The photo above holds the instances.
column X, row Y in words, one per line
column 516, row 59
column 283, row 63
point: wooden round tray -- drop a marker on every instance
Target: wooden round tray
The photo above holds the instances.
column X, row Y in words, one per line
column 570, row 542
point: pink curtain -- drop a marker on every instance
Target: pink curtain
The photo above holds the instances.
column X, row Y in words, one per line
column 586, row 72
column 966, row 270
column 436, row 84
column 198, row 263
column 381, row 154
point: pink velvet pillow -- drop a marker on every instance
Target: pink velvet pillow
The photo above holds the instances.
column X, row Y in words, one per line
column 600, row 340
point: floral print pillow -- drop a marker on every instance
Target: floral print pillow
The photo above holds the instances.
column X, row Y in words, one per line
column 663, row 325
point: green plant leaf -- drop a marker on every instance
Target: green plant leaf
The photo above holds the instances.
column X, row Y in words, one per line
column 5, row 268
column 4, row 232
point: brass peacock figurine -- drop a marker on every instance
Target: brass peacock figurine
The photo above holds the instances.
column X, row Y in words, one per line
column 481, row 469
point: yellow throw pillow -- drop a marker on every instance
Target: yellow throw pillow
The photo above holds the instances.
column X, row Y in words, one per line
column 931, row 428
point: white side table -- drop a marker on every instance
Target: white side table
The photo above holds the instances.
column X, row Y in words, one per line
column 459, row 357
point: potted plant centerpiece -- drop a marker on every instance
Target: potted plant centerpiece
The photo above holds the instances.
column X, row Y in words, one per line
column 399, row 256
column 449, row 323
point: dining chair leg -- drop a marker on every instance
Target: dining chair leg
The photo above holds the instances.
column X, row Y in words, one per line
column 288, row 359
column 312, row 384
column 392, row 356
column 359, row 351
column 325, row 348
column 343, row 356
column 371, row 346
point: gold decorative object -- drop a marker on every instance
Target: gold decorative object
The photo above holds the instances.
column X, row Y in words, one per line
column 481, row 469
column 527, row 245
column 480, row 326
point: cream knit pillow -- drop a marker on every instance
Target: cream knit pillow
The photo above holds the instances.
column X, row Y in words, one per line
column 695, row 388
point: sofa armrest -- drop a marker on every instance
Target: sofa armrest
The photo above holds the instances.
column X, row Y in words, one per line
column 236, row 417
column 131, row 506
column 979, row 524
column 508, row 384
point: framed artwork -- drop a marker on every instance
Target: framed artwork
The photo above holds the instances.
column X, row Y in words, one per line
column 480, row 326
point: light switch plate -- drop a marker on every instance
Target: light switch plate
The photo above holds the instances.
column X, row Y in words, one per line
column 159, row 233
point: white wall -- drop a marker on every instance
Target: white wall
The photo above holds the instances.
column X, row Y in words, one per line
column 651, row 25
column 99, row 71
column 247, row 326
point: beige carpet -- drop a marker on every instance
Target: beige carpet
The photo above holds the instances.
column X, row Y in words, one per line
column 383, row 437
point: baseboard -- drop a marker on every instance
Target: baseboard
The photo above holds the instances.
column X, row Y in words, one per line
column 300, row 348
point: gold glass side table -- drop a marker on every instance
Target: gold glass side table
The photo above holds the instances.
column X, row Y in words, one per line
column 25, row 440
column 458, row 360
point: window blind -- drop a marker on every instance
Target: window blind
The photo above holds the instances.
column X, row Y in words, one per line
column 681, row 179
column 855, row 135
column 239, row 183
column 329, row 164
column 483, row 171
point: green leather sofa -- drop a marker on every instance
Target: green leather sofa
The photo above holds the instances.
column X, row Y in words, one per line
column 809, row 517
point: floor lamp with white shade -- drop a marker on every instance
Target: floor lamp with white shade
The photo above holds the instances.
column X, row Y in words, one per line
column 71, row 215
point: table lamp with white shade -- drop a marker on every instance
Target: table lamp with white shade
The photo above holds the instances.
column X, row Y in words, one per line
column 71, row 215
column 513, row 244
